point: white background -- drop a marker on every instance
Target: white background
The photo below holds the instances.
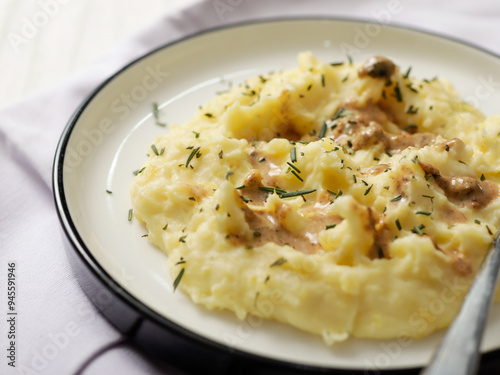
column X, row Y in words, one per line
column 44, row 41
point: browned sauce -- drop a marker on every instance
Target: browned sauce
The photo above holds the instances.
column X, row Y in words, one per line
column 361, row 127
column 197, row 191
column 452, row 144
column 374, row 134
column 252, row 190
column 381, row 240
column 377, row 169
column 450, row 215
column 463, row 191
column 268, row 227
column 460, row 264
column 458, row 260
column 267, row 168
column 367, row 113
column 405, row 140
column 381, row 235
column 367, row 126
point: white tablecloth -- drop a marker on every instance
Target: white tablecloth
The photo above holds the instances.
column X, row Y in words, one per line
column 57, row 327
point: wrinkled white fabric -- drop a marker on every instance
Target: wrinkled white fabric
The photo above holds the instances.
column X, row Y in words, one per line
column 58, row 328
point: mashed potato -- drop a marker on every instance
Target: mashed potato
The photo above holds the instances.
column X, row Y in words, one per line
column 343, row 199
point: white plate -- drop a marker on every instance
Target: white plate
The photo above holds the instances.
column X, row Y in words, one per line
column 109, row 137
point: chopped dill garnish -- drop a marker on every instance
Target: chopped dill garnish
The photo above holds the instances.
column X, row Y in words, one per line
column 411, row 88
column 322, row 132
column 155, row 150
column 251, row 93
column 293, row 154
column 139, row 171
column 397, row 93
column 293, row 167
column 278, row 262
column 335, row 194
column 395, row 199
column 245, row 199
column 398, row 224
column 349, row 150
column 297, row 175
column 412, row 110
column 407, row 74
column 178, row 278
column 340, row 113
column 418, row 229
column 427, row 213
column 130, row 213
column 191, row 155
column 297, row 193
column 368, row 190
column 156, row 115
column 276, row 190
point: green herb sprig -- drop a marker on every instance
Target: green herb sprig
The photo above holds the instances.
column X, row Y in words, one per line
column 178, row 278
column 194, row 151
column 156, row 115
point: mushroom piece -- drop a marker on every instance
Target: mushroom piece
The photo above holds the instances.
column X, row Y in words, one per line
column 377, row 67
